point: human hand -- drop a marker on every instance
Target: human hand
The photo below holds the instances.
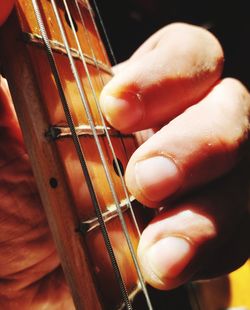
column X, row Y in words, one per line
column 200, row 209
column 196, row 165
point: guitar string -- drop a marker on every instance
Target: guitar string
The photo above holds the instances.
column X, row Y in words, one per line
column 195, row 304
column 103, row 29
column 107, row 134
column 99, row 108
column 109, row 46
column 80, row 153
column 100, row 74
column 144, row 288
column 92, row 126
column 111, row 52
column 100, row 151
column 91, row 123
column 100, row 112
column 142, row 281
column 190, row 285
column 108, row 43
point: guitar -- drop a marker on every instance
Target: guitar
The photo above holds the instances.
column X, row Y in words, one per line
column 77, row 159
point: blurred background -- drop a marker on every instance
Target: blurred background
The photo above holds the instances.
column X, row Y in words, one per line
column 130, row 22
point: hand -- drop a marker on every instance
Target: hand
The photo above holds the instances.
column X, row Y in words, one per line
column 35, row 281
column 195, row 167
column 30, row 271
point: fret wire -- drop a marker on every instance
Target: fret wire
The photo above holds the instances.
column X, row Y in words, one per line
column 80, row 153
column 58, row 132
column 90, row 119
column 92, row 223
column 36, row 39
column 141, row 279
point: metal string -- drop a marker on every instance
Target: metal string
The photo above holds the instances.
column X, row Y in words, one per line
column 104, row 30
column 80, row 153
column 109, row 46
column 100, row 113
column 141, row 279
column 91, row 123
column 190, row 285
column 100, row 151
column 99, row 109
column 195, row 304
column 98, row 105
column 111, row 52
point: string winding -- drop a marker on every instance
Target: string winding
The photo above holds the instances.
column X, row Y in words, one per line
column 100, row 151
column 80, row 152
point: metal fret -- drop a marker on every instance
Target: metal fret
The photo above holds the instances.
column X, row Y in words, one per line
column 93, row 223
column 58, row 132
column 58, row 47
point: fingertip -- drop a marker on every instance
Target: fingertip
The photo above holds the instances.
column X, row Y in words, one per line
column 153, row 178
column 165, row 260
column 121, row 105
column 157, row 177
column 236, row 86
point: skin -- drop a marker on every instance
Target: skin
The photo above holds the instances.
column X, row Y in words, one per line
column 194, row 167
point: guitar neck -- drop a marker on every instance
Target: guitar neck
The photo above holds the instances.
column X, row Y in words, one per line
column 46, row 163
column 55, row 89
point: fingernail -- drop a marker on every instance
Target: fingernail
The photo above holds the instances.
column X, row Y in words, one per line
column 157, row 177
column 121, row 113
column 168, row 257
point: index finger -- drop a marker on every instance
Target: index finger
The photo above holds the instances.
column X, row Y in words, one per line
column 164, row 79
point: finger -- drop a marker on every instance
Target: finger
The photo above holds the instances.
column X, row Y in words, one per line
column 231, row 255
column 182, row 243
column 6, row 7
column 146, row 47
column 7, row 112
column 201, row 144
column 11, row 141
column 163, row 79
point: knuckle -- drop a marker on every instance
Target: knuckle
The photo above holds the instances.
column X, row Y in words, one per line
column 194, row 39
column 235, row 112
column 187, row 223
column 197, row 227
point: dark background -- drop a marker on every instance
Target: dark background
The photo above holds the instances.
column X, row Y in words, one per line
column 130, row 22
